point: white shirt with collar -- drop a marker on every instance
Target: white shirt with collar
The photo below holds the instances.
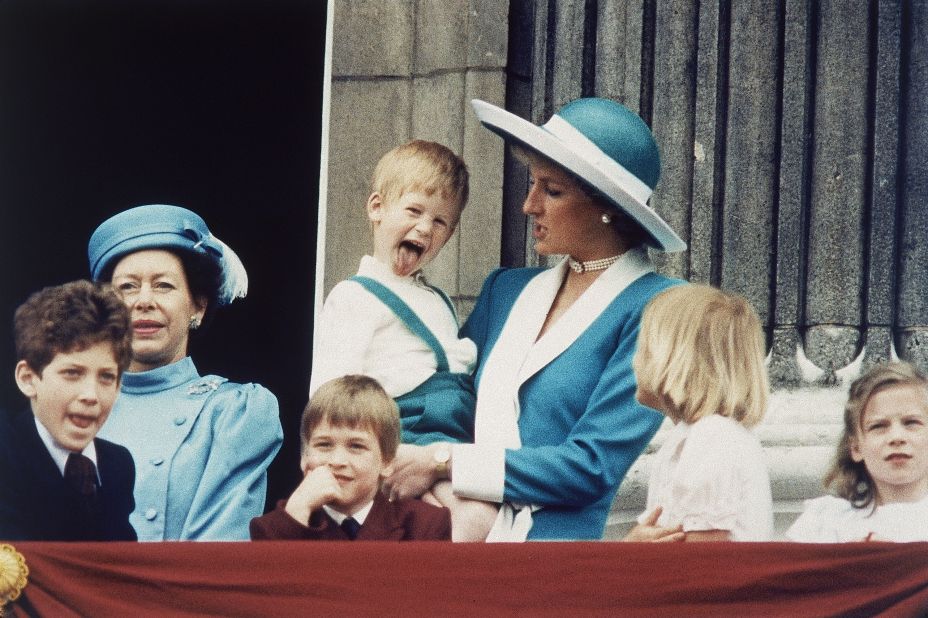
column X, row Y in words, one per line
column 60, row 454
column 339, row 517
column 356, row 333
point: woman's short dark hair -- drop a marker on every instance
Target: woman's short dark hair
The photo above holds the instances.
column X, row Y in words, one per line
column 204, row 277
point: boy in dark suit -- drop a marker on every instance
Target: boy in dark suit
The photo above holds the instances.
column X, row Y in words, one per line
column 350, row 432
column 58, row 482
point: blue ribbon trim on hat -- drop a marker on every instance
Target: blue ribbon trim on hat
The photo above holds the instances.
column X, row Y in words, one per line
column 162, row 226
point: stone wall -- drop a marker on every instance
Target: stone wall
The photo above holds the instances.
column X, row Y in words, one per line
column 404, row 69
column 793, row 139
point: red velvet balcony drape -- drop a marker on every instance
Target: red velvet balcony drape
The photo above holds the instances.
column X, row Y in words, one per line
column 291, row 578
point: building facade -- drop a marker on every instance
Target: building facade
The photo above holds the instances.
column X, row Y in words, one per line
column 794, row 138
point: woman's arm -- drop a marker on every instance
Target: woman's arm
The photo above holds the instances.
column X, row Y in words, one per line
column 707, row 535
column 246, row 434
column 607, row 432
column 414, row 470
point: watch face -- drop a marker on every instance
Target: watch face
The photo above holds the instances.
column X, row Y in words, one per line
column 442, row 456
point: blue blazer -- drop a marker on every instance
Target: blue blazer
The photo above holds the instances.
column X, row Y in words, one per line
column 36, row 504
column 580, row 425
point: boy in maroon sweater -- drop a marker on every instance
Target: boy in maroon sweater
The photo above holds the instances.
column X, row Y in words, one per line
column 350, row 432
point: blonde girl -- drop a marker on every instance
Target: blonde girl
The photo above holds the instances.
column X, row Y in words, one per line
column 700, row 362
column 880, row 472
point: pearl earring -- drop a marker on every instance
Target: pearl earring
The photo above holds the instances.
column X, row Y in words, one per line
column 606, row 218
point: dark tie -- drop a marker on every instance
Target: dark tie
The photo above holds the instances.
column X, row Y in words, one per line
column 351, row 526
column 81, row 475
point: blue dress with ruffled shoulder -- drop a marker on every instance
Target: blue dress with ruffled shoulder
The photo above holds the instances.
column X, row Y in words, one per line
column 201, row 445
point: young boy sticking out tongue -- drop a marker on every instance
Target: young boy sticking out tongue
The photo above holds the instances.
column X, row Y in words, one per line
column 388, row 323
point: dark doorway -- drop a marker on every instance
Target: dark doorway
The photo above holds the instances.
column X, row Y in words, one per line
column 214, row 105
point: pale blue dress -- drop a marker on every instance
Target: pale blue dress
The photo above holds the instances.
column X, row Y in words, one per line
column 201, row 446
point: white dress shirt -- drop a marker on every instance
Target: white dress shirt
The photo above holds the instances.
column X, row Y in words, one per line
column 60, row 454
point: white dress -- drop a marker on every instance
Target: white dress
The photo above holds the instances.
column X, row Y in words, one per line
column 711, row 475
column 834, row 520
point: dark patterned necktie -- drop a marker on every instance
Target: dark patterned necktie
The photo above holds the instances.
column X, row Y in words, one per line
column 81, row 475
column 351, row 526
column 86, row 523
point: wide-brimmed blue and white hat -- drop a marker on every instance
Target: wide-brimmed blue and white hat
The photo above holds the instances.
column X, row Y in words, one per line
column 160, row 226
column 605, row 145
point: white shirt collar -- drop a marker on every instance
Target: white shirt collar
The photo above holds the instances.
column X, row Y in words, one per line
column 59, row 453
column 359, row 516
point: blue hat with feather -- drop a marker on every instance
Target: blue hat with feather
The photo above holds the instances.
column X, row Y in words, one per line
column 161, row 226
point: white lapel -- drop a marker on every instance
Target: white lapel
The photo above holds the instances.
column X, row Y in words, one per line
column 612, row 282
column 517, row 356
column 498, row 393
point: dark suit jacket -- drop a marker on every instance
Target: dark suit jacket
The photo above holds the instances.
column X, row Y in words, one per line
column 403, row 520
column 36, row 504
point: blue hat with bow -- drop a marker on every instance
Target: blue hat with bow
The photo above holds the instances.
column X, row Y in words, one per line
column 604, row 144
column 161, row 226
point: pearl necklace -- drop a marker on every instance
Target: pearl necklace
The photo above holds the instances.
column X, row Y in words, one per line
column 591, row 265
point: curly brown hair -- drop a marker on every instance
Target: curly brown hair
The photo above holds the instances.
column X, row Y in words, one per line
column 71, row 317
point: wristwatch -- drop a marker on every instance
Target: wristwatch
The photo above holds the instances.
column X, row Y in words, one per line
column 441, row 457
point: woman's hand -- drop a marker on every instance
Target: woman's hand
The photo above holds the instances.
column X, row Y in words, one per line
column 649, row 531
column 413, row 471
column 871, row 536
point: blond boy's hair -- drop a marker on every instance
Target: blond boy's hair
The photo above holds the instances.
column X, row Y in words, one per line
column 701, row 352
column 355, row 401
column 420, row 165
column 850, row 479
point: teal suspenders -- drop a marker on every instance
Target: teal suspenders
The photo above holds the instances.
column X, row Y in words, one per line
column 408, row 316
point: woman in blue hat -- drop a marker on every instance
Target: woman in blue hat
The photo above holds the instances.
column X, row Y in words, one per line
column 557, row 423
column 201, row 444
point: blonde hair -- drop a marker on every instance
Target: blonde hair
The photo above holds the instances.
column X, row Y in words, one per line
column 850, row 479
column 355, row 401
column 701, row 352
column 424, row 166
